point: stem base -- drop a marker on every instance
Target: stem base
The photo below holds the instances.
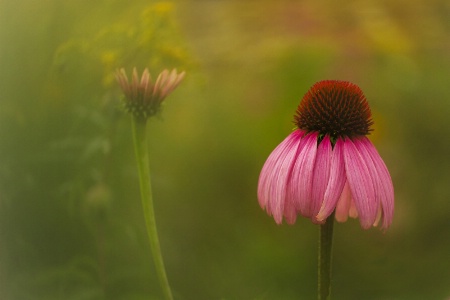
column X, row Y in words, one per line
column 325, row 250
column 139, row 127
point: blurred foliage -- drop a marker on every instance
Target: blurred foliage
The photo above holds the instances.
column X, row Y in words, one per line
column 71, row 225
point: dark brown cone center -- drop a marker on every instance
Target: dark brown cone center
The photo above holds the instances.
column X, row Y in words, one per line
column 336, row 108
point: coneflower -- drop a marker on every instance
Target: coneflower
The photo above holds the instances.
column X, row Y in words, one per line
column 143, row 99
column 327, row 163
column 328, row 167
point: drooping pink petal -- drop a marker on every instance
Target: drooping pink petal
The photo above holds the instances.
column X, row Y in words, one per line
column 336, row 182
column 274, row 176
column 321, row 175
column 343, row 205
column 300, row 183
column 386, row 191
column 361, row 184
column 289, row 213
column 376, row 179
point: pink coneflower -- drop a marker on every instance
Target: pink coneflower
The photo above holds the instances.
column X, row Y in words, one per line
column 143, row 98
column 327, row 164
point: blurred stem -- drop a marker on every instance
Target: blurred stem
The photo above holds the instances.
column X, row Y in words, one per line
column 139, row 127
column 325, row 249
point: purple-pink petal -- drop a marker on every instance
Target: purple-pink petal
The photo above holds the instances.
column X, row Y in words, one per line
column 301, row 179
column 336, row 182
column 274, row 177
column 376, row 179
column 386, row 189
column 321, row 176
column 361, row 185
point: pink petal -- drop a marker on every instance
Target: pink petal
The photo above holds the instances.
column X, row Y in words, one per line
column 160, row 82
column 274, row 176
column 321, row 175
column 336, row 182
column 175, row 80
column 386, row 188
column 343, row 205
column 289, row 213
column 144, row 79
column 122, row 78
column 171, row 83
column 361, row 183
column 376, row 179
column 135, row 84
column 300, row 184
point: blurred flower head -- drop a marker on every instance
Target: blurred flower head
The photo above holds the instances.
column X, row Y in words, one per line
column 327, row 164
column 143, row 97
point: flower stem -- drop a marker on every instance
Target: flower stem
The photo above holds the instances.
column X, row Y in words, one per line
column 325, row 249
column 139, row 127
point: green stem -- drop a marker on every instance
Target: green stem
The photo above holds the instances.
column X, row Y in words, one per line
column 325, row 249
column 139, row 127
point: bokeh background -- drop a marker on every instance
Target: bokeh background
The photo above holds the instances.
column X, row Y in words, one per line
column 71, row 225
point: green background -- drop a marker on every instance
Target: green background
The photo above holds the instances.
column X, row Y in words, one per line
column 71, row 224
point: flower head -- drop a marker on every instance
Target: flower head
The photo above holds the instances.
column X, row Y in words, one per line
column 328, row 164
column 143, row 98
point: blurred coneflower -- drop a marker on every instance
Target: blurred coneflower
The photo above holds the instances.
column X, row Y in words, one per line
column 143, row 99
